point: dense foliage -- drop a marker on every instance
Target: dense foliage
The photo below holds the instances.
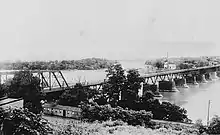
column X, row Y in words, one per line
column 22, row 122
column 84, row 64
column 160, row 110
column 76, row 95
column 25, row 85
column 165, row 111
column 212, row 128
column 3, row 90
column 106, row 112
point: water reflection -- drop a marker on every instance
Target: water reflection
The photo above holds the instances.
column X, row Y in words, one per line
column 195, row 99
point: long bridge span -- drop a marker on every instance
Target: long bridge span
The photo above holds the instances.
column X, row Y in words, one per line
column 54, row 80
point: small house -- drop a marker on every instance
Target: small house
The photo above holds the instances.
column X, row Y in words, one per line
column 60, row 110
column 169, row 66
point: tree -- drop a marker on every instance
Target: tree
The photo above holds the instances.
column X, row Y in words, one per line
column 27, row 86
column 159, row 64
column 115, row 83
column 132, row 85
column 185, row 66
column 78, row 94
column 73, row 96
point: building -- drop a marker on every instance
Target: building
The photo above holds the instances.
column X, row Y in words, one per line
column 60, row 110
column 168, row 65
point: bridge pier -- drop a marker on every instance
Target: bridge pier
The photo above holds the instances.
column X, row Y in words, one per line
column 214, row 75
column 181, row 82
column 194, row 81
column 167, row 86
column 173, row 85
column 218, row 73
column 178, row 82
column 210, row 76
column 184, row 83
column 203, row 79
column 191, row 80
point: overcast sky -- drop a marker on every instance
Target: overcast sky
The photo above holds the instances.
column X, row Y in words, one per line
column 113, row 29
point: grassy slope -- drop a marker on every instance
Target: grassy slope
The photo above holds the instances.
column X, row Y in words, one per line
column 70, row 126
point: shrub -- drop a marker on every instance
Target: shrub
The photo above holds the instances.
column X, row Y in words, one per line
column 198, row 124
column 214, row 127
column 21, row 121
column 172, row 112
column 164, row 110
column 106, row 112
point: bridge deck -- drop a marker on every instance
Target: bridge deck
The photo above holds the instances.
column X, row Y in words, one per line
column 178, row 71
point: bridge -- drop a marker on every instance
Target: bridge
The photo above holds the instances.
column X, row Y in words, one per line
column 168, row 80
column 54, row 80
column 50, row 80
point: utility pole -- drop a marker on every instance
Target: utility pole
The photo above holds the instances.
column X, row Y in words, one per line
column 208, row 113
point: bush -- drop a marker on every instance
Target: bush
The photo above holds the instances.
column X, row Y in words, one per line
column 172, row 112
column 163, row 111
column 214, row 127
column 78, row 94
column 106, row 112
column 21, row 121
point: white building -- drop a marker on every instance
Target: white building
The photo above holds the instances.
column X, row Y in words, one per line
column 169, row 66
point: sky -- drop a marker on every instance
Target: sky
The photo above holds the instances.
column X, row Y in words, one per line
column 112, row 29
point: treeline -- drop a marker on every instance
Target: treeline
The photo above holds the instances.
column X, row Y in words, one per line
column 83, row 64
column 185, row 62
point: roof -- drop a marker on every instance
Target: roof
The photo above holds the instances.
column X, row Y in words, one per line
column 13, row 102
column 69, row 108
